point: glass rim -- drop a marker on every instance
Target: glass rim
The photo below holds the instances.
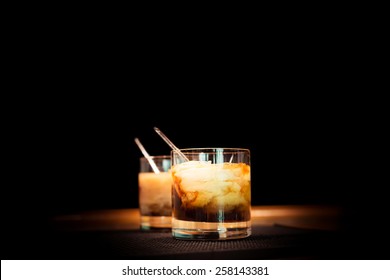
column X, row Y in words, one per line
column 213, row 149
column 157, row 156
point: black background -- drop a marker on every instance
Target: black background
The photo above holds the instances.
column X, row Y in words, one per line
column 76, row 151
column 87, row 157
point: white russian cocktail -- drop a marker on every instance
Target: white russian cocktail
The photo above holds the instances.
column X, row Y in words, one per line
column 211, row 196
column 155, row 195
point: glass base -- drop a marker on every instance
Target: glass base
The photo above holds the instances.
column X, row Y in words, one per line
column 210, row 231
column 156, row 222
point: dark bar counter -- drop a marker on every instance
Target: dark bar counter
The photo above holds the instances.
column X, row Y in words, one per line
column 278, row 232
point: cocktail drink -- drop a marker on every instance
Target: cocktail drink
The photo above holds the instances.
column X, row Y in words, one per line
column 155, row 199
column 211, row 193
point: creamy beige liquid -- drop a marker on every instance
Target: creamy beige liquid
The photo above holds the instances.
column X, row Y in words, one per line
column 206, row 192
column 155, row 195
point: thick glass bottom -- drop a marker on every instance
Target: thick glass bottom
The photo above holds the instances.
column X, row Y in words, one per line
column 190, row 230
column 156, row 222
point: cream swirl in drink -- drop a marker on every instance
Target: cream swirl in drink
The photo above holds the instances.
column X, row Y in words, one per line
column 211, row 192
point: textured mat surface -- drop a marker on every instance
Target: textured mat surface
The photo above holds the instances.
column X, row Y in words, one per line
column 266, row 242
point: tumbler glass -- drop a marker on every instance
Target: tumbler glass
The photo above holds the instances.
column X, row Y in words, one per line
column 211, row 194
